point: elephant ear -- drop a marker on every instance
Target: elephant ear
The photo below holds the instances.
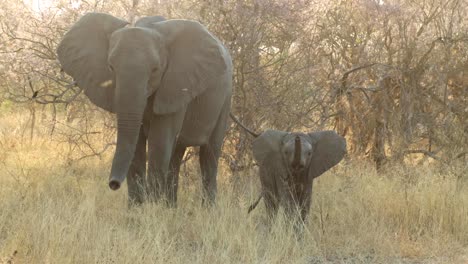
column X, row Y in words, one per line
column 329, row 149
column 267, row 150
column 195, row 63
column 83, row 55
column 148, row 22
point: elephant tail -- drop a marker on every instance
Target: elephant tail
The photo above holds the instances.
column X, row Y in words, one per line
column 242, row 125
column 251, row 207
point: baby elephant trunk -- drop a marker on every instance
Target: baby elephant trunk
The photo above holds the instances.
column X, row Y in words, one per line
column 296, row 164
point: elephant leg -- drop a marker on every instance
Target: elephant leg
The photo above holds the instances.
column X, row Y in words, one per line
column 271, row 191
column 209, row 156
column 289, row 203
column 301, row 213
column 162, row 136
column 305, row 207
column 209, row 168
column 306, row 201
column 136, row 176
column 271, row 204
column 173, row 175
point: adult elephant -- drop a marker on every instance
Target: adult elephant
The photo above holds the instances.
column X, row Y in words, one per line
column 169, row 82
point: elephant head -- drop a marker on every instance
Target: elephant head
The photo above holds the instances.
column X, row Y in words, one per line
column 296, row 151
column 119, row 66
column 288, row 152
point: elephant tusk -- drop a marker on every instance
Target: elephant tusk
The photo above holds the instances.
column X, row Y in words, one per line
column 106, row 83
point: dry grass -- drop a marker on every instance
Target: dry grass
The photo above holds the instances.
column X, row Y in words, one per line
column 55, row 212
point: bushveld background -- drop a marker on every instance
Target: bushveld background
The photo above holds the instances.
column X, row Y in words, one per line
column 390, row 76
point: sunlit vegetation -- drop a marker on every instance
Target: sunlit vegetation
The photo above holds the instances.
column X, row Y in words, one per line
column 390, row 76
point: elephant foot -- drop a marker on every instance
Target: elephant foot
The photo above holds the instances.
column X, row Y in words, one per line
column 155, row 197
column 208, row 201
column 136, row 192
column 171, row 199
column 132, row 203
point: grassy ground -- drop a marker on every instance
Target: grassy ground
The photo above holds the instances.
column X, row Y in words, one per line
column 52, row 211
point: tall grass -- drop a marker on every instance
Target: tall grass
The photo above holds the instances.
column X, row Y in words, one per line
column 53, row 211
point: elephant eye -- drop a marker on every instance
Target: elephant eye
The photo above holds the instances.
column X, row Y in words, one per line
column 309, row 153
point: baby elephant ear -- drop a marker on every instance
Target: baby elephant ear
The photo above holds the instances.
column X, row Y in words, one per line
column 267, row 147
column 328, row 150
column 197, row 61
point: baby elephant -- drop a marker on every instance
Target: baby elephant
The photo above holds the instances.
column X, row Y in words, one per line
column 289, row 162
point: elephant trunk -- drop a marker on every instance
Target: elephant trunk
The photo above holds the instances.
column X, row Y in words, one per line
column 297, row 153
column 128, row 129
column 131, row 104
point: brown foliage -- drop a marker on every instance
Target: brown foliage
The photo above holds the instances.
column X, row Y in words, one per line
column 389, row 75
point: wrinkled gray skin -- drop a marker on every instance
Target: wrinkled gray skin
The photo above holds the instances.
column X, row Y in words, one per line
column 289, row 163
column 169, row 84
